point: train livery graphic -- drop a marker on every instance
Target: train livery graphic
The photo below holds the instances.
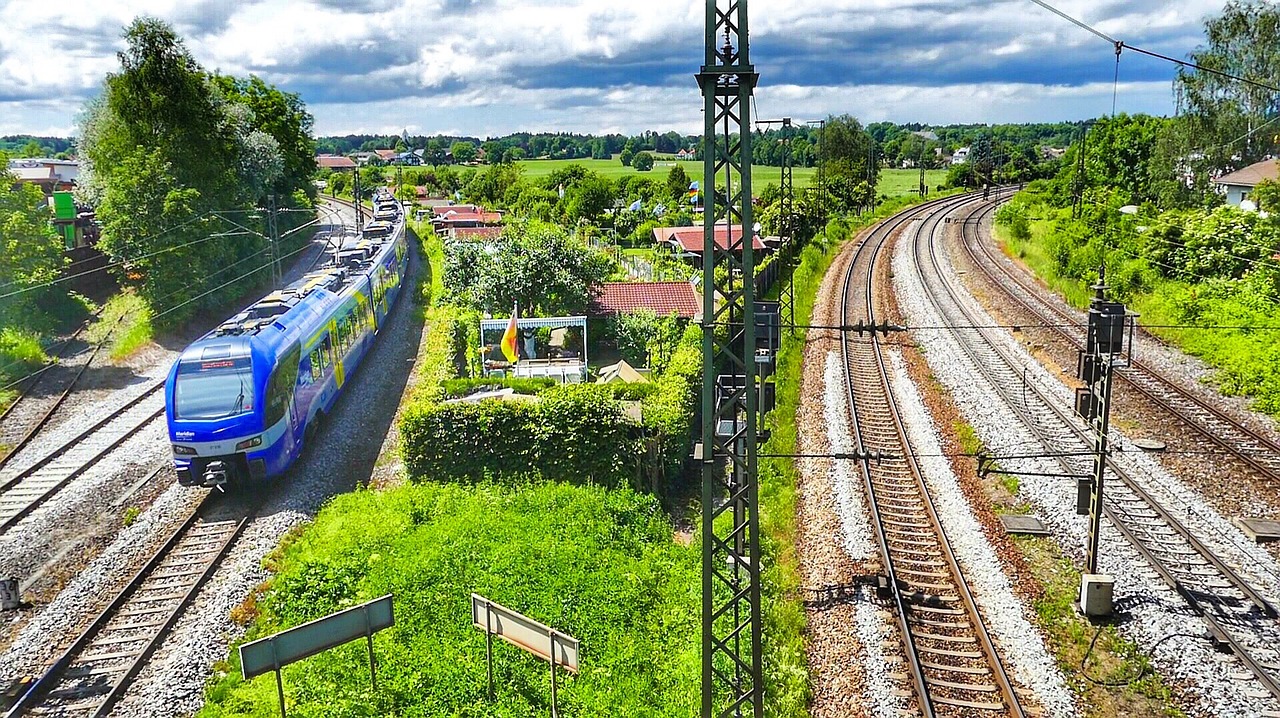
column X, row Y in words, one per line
column 243, row 400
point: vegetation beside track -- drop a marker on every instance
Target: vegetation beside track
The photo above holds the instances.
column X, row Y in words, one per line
column 598, row 564
column 1189, row 275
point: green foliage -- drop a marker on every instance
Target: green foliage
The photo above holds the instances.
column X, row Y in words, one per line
column 20, row 354
column 174, row 158
column 645, row 339
column 639, row 391
column 643, row 162
column 32, row 252
column 536, row 265
column 575, row 433
column 284, row 118
column 667, row 413
column 456, row 388
column 599, row 565
column 462, row 152
column 1014, row 216
column 1201, row 267
column 1267, row 196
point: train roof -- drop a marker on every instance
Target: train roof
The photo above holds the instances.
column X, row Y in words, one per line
column 314, row 288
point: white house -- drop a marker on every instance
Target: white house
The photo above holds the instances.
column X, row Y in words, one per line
column 1239, row 184
column 961, row 156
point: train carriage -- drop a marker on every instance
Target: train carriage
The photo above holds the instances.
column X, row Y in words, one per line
column 243, row 400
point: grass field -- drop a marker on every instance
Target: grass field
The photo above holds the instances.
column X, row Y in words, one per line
column 893, row 183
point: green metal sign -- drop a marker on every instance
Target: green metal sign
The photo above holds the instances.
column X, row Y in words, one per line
column 274, row 652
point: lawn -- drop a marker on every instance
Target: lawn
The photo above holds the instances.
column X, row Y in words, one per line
column 893, row 183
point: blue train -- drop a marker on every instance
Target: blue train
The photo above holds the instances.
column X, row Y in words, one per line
column 243, row 400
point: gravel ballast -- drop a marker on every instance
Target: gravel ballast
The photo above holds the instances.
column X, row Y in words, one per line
column 1207, row 683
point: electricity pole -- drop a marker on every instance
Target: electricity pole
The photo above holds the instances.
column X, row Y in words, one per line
column 1096, row 365
column 732, row 672
column 273, row 240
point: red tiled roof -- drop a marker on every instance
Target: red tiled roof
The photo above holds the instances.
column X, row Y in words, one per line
column 335, row 162
column 664, row 298
column 690, row 238
column 386, row 154
column 461, row 208
column 475, row 233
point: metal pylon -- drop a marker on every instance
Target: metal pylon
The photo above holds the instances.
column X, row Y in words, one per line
column 732, row 681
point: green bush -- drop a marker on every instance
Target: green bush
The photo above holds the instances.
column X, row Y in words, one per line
column 668, row 413
column 632, row 392
column 455, row 388
column 599, row 565
column 576, row 433
column 20, row 354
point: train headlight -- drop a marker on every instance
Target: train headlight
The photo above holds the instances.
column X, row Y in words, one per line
column 249, row 443
column 180, row 450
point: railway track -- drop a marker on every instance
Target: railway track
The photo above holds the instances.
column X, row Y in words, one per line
column 59, row 378
column 954, row 666
column 1236, row 613
column 93, row 673
column 1258, row 451
column 24, row 490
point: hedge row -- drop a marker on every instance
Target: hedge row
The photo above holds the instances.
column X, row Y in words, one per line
column 576, row 433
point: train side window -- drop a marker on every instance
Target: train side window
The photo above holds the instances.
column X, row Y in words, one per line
column 280, row 386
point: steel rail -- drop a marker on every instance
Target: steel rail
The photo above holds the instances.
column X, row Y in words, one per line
column 46, row 478
column 103, row 696
column 1258, row 451
column 1162, row 567
column 927, row 676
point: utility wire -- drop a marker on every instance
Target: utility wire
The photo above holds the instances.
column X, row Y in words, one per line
column 1120, row 44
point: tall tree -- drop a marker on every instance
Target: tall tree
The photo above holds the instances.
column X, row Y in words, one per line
column 167, row 159
column 847, row 154
column 284, row 117
column 1225, row 114
column 32, row 252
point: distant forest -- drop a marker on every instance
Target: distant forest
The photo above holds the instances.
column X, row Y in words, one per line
column 896, row 144
column 32, row 146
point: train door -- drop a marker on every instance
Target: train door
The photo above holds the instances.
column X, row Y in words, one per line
column 280, row 414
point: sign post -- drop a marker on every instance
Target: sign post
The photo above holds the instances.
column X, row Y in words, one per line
column 277, row 651
column 557, row 648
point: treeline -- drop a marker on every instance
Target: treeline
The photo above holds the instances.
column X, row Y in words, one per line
column 894, row 144
column 181, row 163
column 34, row 146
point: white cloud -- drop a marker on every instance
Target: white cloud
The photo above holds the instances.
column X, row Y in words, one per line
column 495, row 66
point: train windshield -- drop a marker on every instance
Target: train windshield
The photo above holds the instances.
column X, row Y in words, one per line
column 214, row 389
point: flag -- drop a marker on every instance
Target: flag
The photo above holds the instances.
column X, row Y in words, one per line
column 635, row 206
column 693, row 188
column 509, row 338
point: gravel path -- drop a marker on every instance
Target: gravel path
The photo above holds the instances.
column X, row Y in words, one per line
column 1207, row 683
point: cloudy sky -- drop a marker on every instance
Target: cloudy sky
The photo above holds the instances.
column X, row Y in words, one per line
column 490, row 67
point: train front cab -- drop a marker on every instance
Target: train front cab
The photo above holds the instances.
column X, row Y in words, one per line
column 230, row 424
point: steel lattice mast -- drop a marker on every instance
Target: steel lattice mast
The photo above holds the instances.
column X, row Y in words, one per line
column 732, row 682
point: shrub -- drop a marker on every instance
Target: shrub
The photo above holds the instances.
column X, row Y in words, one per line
column 455, row 388
column 576, row 433
column 599, row 565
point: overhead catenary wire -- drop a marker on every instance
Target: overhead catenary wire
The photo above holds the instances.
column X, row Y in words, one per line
column 1122, row 45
